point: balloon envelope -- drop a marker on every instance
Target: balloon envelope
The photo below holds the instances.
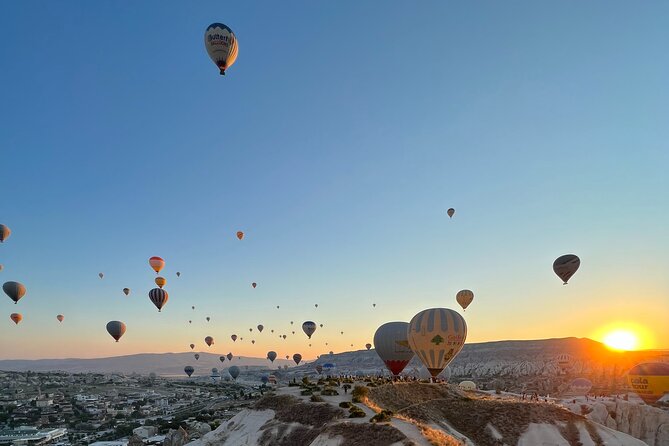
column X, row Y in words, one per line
column 392, row 346
column 60, row 318
column 221, row 45
column 192, row 346
column 160, row 281
column 16, row 317
column 437, row 335
column 580, row 386
column 159, row 297
column 297, row 358
column 209, row 340
column 565, row 266
column 14, row 290
column 308, row 327
column 126, row 291
column 451, row 212
column 467, row 386
column 197, row 356
column 229, row 356
column 464, row 298
column 260, row 328
column 234, row 371
column 649, row 380
column 116, row 329
column 368, row 346
column 240, row 235
column 221, row 358
column 156, row 263
column 189, row 370
column 5, row 232
column 271, row 355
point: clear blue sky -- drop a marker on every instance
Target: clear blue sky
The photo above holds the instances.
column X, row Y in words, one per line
column 336, row 142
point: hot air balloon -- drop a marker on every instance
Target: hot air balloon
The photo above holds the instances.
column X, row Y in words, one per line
column 221, row 358
column 264, row 379
column 116, row 329
column 159, row 297
column 192, row 346
column 160, row 281
column 321, row 325
column 5, row 232
column 240, row 235
column 260, row 328
column 253, row 341
column 580, row 386
column 451, row 212
column 291, row 322
column 319, row 368
column 292, row 332
column 297, row 358
column 221, row 45
column 272, row 331
column 368, row 346
column 193, row 307
column 101, row 275
column 277, row 307
column 209, row 340
column 208, row 318
column 284, row 336
column 233, row 337
column 436, row 336
column 178, row 274
column 308, row 327
column 197, row 356
column 251, row 330
column 190, row 322
column 565, row 266
column 464, row 298
column 649, row 380
column 60, row 318
column 229, row 356
column 1, row 267
column 156, row 263
column 271, row 355
column 189, row 370
column 16, row 317
column 392, row 346
column 234, row 371
column 316, row 305
column 342, row 332
column 467, row 386
column 14, row 290
column 126, row 291
column 253, row 284
column 374, row 305
column 564, row 362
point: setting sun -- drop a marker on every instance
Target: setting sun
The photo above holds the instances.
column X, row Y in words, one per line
column 621, row 340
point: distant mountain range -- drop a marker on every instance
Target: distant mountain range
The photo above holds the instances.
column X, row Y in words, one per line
column 486, row 360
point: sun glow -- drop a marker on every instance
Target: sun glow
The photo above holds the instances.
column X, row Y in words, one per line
column 621, row 340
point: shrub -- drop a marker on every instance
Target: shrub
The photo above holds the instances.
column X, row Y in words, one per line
column 306, row 392
column 329, row 391
column 356, row 412
column 305, row 380
column 359, row 393
column 316, row 399
column 345, row 404
column 382, row 417
column 371, row 384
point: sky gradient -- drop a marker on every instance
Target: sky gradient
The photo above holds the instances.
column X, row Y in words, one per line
column 337, row 142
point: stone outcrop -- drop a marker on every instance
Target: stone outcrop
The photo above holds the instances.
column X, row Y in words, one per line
column 646, row 423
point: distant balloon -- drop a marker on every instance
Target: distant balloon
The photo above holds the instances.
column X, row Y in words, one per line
column 649, row 380
column 292, row 332
column 193, row 307
column 229, row 356
column 16, row 317
column 159, row 297
column 189, row 370
column 253, row 341
column 234, row 371
column 291, row 322
column 221, row 358
column 436, row 336
column 342, row 332
column 14, row 290
column 308, row 327
column 271, row 355
column 192, row 346
column 316, row 305
column 254, row 285
column 116, row 329
column 208, row 318
column 260, row 328
column 368, row 346
column 392, row 346
column 126, row 291
column 5, row 232
column 272, row 331
column 297, row 358
column 190, row 322
column 321, row 325
column 240, row 235
column 209, row 340
column 565, row 266
column 178, row 274
column 580, row 386
column 464, row 298
column 564, row 362
column 284, row 336
column 60, row 318
column 156, row 263
column 101, row 275
column 374, row 305
column 160, row 281
column 197, row 356
column 251, row 330
column 451, row 212
column 467, row 386
column 221, row 45
column 233, row 337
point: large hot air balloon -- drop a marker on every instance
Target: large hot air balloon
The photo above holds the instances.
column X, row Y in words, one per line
column 451, row 212
column 159, row 297
column 436, row 336
column 254, row 284
column 221, row 358
column 271, row 355
column 240, row 235
column 209, row 340
column 565, row 266
column 564, row 362
column 260, row 328
column 5, row 232
column 60, row 318
column 392, row 346
column 233, row 337
column 221, row 45
column 297, row 358
column 116, row 329
column 580, row 386
column 197, row 356
column 234, row 371
column 156, row 263
column 16, row 317
column 189, row 370
column 160, row 281
column 126, row 291
column 192, row 346
column 464, row 298
column 368, row 346
column 308, row 327
column 14, row 290
column 101, row 275
column 649, row 380
column 229, row 356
